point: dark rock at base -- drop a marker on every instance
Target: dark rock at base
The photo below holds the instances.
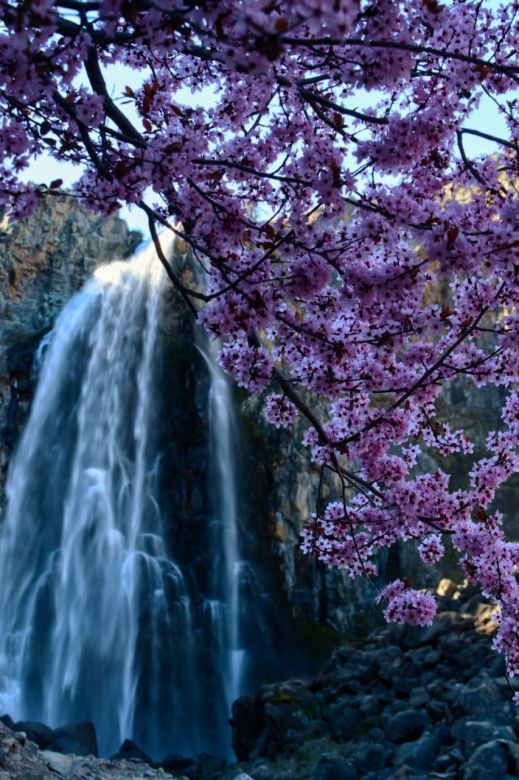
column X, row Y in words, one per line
column 406, row 725
column 180, row 764
column 36, row 732
column 204, row 765
column 7, row 721
column 335, row 768
column 248, row 722
column 207, row 765
column 79, row 739
column 489, row 762
column 129, row 750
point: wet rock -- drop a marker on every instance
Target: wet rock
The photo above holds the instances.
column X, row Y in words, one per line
column 406, row 725
column 79, row 739
column 7, row 721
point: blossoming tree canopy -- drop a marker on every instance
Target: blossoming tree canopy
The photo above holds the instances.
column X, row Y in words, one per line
column 359, row 257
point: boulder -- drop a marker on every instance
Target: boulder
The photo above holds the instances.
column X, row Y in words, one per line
column 419, row 755
column 488, row 762
column 57, row 762
column 248, row 722
column 406, row 725
column 79, row 739
column 39, row 733
column 7, row 721
column 473, row 733
column 130, row 751
column 482, row 699
column 371, row 756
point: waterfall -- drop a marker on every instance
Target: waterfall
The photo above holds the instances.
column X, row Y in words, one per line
column 224, row 606
column 100, row 618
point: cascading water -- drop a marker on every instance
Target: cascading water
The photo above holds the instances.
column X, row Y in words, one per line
column 224, row 606
column 100, row 619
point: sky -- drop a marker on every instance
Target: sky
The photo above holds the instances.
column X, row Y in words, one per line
column 45, row 169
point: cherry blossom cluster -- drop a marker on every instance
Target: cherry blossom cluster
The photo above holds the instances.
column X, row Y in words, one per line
column 361, row 259
column 405, row 605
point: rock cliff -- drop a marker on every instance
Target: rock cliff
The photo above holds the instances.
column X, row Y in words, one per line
column 43, row 261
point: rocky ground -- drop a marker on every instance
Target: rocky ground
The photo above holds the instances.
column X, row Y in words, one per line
column 422, row 703
column 21, row 759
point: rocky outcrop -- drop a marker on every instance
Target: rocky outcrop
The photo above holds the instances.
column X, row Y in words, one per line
column 423, row 703
column 43, row 262
column 283, row 488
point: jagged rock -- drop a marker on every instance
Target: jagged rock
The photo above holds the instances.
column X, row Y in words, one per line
column 129, row 750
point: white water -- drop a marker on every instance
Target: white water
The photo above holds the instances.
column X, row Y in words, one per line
column 225, row 576
column 98, row 622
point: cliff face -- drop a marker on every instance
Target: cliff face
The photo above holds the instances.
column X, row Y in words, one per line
column 43, row 262
column 284, row 490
